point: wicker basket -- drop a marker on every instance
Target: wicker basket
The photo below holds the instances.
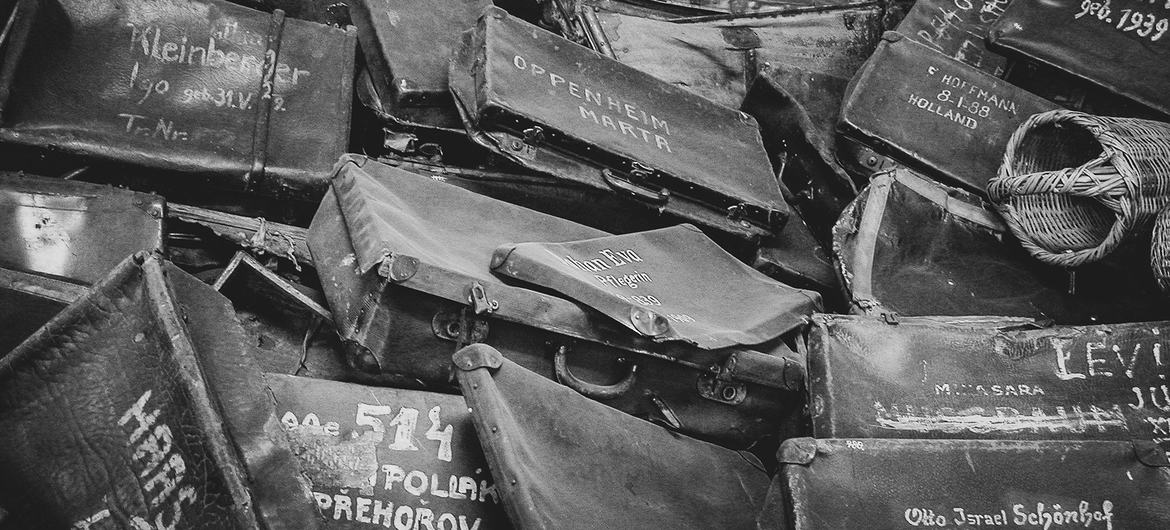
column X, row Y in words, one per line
column 1160, row 250
column 1074, row 186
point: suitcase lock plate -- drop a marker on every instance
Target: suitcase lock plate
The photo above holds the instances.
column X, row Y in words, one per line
column 717, row 384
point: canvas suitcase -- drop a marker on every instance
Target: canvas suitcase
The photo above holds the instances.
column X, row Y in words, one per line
column 404, row 275
column 886, row 484
column 910, row 246
column 137, row 407
column 1120, row 46
column 945, row 118
column 588, row 121
column 202, row 90
column 563, row 461
column 388, row 456
column 407, row 46
column 987, row 378
column 74, row 231
column 27, row 301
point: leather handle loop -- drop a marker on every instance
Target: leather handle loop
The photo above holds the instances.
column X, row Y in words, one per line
column 591, row 390
column 631, row 189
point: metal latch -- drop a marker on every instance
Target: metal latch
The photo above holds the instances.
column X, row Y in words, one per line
column 717, row 383
column 478, row 298
column 534, row 136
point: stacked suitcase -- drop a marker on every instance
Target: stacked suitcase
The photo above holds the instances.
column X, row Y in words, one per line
column 565, row 264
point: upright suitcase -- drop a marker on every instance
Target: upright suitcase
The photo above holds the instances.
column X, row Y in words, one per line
column 388, row 456
column 138, row 407
column 408, row 284
column 1120, row 46
column 407, row 45
column 563, row 461
column 910, row 246
column 957, row 30
column 880, row 484
column 987, row 378
column 202, row 90
column 588, row 121
column 945, row 118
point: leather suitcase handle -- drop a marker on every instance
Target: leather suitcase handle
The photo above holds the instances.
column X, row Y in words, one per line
column 630, row 188
column 591, row 390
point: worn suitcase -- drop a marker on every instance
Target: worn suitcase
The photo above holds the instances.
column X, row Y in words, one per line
column 405, row 275
column 911, row 246
column 945, row 118
column 987, row 377
column 203, row 90
column 253, row 233
column 374, row 458
column 957, row 29
column 880, row 484
column 137, row 407
column 579, row 118
column 27, row 301
column 563, row 461
column 74, row 230
column 407, row 46
column 1121, row 47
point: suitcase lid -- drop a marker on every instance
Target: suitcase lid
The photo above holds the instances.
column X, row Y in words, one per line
column 1127, row 58
column 946, row 118
column 408, row 43
column 61, row 228
column 915, row 247
column 359, row 444
column 27, row 301
column 957, row 30
column 667, row 284
column 882, row 483
column 549, row 93
column 562, row 460
column 156, row 359
column 986, row 377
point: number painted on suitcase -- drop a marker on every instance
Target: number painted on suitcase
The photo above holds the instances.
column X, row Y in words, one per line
column 388, row 457
column 1143, row 24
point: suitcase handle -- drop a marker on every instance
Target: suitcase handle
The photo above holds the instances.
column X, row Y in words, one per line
column 591, row 390
column 630, row 188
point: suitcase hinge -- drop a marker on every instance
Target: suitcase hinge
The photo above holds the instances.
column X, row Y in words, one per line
column 478, row 298
column 717, row 383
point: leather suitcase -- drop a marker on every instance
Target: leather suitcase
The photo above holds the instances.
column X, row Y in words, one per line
column 584, row 120
column 566, row 462
column 957, row 29
column 74, row 231
column 137, row 407
column 27, row 301
column 945, row 118
column 241, row 99
column 987, row 378
column 408, row 284
column 880, row 484
column 794, row 257
column 910, row 246
column 407, row 46
column 388, row 456
column 1120, row 46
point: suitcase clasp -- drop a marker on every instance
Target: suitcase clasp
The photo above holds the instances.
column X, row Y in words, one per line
column 478, row 298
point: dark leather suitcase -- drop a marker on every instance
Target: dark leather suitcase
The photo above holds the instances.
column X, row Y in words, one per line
column 957, row 29
column 74, row 231
column 910, row 246
column 880, row 484
column 27, row 301
column 584, row 120
column 1120, row 46
column 137, row 407
column 945, row 118
column 388, row 456
column 407, row 46
column 987, row 378
column 563, row 461
column 408, row 280
column 202, row 90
